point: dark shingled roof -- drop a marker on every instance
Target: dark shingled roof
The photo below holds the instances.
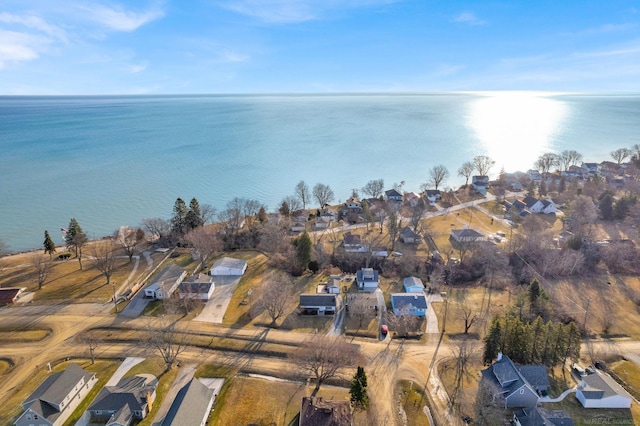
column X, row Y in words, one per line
column 57, row 386
column 318, row 412
column 400, row 300
column 537, row 416
column 317, row 300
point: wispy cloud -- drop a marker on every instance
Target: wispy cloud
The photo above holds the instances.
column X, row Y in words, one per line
column 118, row 18
column 228, row 56
column 468, row 18
column 35, row 23
column 136, row 68
column 17, row 47
column 294, row 11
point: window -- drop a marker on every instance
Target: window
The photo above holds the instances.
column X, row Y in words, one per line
column 521, row 391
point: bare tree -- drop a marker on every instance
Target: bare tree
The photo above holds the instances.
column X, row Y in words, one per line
column 276, row 292
column 166, row 339
column 466, row 170
column 42, row 266
column 417, row 213
column 93, row 343
column 157, row 227
column 568, row 158
column 469, row 313
column 620, row 154
column 292, row 202
column 322, row 357
column 205, row 242
column 403, row 324
column 437, row 175
column 483, row 163
column 323, row 193
column 207, row 213
column 103, row 257
column 302, row 192
column 546, row 161
column 374, row 188
column 232, row 215
column 463, row 351
column 129, row 238
column 250, row 209
column 583, row 215
column 394, row 225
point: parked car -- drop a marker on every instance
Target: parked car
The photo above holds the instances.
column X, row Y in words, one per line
column 384, row 329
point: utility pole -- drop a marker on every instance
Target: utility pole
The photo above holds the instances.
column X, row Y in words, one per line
column 115, row 299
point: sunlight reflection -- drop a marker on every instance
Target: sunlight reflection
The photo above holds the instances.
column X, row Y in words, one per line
column 515, row 128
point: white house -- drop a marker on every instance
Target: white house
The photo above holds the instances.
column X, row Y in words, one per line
column 599, row 390
column 393, row 195
column 191, row 406
column 536, row 205
column 57, row 397
column 413, row 285
column 319, row 304
column 480, row 184
column 165, row 283
column 432, row 195
column 367, row 279
column 229, row 266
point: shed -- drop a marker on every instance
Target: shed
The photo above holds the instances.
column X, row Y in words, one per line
column 229, row 266
column 599, row 390
column 413, row 285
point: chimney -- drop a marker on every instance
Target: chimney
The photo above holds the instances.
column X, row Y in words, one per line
column 499, row 356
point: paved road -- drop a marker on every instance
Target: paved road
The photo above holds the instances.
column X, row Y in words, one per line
column 215, row 308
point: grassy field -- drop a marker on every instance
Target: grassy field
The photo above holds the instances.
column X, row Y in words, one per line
column 15, row 334
column 410, row 396
column 104, row 369
column 590, row 416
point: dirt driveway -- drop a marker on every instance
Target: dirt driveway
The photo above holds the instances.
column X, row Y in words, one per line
column 215, row 308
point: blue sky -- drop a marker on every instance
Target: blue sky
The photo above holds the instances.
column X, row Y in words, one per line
column 56, row 47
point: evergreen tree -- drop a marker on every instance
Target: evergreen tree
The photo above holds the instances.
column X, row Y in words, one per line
column 284, row 209
column 358, row 390
column 262, row 215
column 492, row 341
column 534, row 295
column 542, row 189
column 303, row 250
column 193, row 217
column 563, row 185
column 49, row 245
column 606, row 207
column 573, row 340
column 538, row 331
column 179, row 219
column 76, row 239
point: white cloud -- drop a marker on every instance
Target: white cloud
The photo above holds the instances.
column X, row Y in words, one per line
column 118, row 19
column 19, row 47
column 468, row 18
column 293, row 11
column 136, row 68
column 228, row 56
column 34, row 22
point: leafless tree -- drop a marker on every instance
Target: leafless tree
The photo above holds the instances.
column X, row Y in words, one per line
column 469, row 313
column 437, row 175
column 205, row 242
column 322, row 357
column 483, row 164
column 128, row 239
column 303, row 194
column 93, row 343
column 4, row 249
column 323, row 194
column 381, row 214
column 489, row 405
column 232, row 215
column 583, row 214
column 276, row 294
column 43, row 266
column 157, row 227
column 250, row 209
column 568, row 158
column 403, row 324
column 463, row 351
column 416, row 213
column 546, row 162
column 273, row 237
column 466, row 170
column 103, row 257
column 620, row 154
column 394, row 225
column 207, row 213
column 165, row 338
column 293, row 203
column 374, row 188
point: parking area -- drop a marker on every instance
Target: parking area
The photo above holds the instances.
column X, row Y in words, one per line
column 215, row 308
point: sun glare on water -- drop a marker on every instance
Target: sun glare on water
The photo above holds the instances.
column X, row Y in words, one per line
column 516, row 128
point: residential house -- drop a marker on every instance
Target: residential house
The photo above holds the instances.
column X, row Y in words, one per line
column 534, row 175
column 362, row 303
column 413, row 285
column 354, row 204
column 379, row 251
column 322, row 222
column 132, row 398
column 393, row 195
column 319, row 304
column 10, row 295
column 590, row 168
column 432, row 195
column 480, row 184
column 191, row 406
column 352, row 243
column 331, row 287
column 298, row 226
column 165, row 283
column 538, row 416
column 409, row 236
column 229, row 266
column 367, row 279
column 599, row 390
column 57, row 397
column 411, row 199
column 316, row 411
column 517, row 207
column 414, row 304
column 535, row 205
column 466, row 236
column 512, row 383
column 198, row 287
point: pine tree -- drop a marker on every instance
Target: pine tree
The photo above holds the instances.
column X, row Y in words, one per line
column 178, row 221
column 76, row 239
column 284, row 209
column 303, row 250
column 358, row 390
column 534, row 295
column 49, row 245
column 492, row 342
column 606, row 207
column 193, row 217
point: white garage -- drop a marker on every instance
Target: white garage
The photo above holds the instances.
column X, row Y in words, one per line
column 229, row 266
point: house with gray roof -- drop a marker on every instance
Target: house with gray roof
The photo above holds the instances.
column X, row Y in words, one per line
column 319, row 304
column 191, row 406
column 393, row 195
column 316, row 411
column 229, row 266
column 414, row 304
column 57, row 397
column 512, row 383
column 119, row 405
column 367, row 279
column 538, row 416
column 599, row 390
column 166, row 282
column 197, row 287
column 465, row 235
column 413, row 285
column 409, row 236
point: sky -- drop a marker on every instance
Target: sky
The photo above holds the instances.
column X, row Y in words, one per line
column 69, row 47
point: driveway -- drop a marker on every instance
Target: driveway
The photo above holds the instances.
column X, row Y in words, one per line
column 432, row 318
column 215, row 308
column 135, row 307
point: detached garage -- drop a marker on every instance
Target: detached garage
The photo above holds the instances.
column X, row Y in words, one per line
column 229, row 266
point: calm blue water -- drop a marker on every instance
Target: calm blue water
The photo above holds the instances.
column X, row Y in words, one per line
column 111, row 161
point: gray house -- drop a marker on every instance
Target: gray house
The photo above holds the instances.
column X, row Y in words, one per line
column 165, row 282
column 130, row 399
column 408, row 236
column 537, row 416
column 319, row 304
column 191, row 406
column 367, row 279
column 57, row 397
column 513, row 383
